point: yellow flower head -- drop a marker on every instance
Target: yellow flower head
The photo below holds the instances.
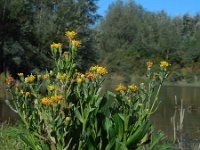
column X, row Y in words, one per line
column 120, row 88
column 133, row 88
column 142, row 84
column 61, row 77
column 20, row 74
column 51, row 87
column 56, row 45
column 94, row 68
column 90, row 75
column 79, row 80
column 67, row 119
column 22, row 92
column 9, row 80
column 56, row 98
column 46, row 101
column 30, row 78
column 76, row 43
column 99, row 69
column 149, row 64
column 70, row 35
column 28, row 93
column 164, row 64
column 102, row 70
column 46, row 76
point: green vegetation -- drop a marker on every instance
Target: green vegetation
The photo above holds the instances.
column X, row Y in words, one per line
column 28, row 27
column 9, row 137
column 129, row 35
column 63, row 109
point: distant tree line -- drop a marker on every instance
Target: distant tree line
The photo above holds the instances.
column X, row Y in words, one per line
column 123, row 40
column 28, row 27
column 129, row 35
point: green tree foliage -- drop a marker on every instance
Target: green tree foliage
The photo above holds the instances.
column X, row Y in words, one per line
column 130, row 35
column 28, row 27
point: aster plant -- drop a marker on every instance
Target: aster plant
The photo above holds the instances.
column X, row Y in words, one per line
column 65, row 109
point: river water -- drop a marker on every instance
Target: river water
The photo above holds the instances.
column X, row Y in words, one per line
column 190, row 97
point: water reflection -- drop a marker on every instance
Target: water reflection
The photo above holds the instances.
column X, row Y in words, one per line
column 191, row 104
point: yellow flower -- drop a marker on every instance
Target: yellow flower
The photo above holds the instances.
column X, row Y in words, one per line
column 164, row 64
column 22, row 92
column 102, row 70
column 56, row 45
column 90, row 75
column 28, row 93
column 56, row 98
column 99, row 69
column 76, row 43
column 133, row 88
column 67, row 119
column 61, row 77
column 51, row 87
column 9, row 80
column 30, row 78
column 149, row 64
column 20, row 74
column 94, row 68
column 120, row 88
column 46, row 101
column 79, row 80
column 46, row 76
column 70, row 35
column 142, row 84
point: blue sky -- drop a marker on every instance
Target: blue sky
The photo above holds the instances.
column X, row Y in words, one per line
column 172, row 7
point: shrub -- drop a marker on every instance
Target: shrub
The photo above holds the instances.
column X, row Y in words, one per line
column 65, row 109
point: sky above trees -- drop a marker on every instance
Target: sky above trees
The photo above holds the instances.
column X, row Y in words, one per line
column 172, row 7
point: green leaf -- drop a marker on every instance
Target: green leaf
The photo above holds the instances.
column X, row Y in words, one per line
column 110, row 145
column 11, row 107
column 137, row 136
column 107, row 126
column 119, row 126
column 156, row 138
column 120, row 146
column 78, row 115
column 29, row 141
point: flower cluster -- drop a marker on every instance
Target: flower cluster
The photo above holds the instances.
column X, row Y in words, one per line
column 9, row 80
column 76, row 43
column 99, row 69
column 48, row 101
column 133, row 88
column 164, row 64
column 120, row 88
column 70, row 35
column 61, row 76
column 90, row 75
column 56, row 45
column 30, row 78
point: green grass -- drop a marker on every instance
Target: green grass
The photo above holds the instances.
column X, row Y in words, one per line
column 9, row 137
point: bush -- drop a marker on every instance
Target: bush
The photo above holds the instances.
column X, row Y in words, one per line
column 65, row 109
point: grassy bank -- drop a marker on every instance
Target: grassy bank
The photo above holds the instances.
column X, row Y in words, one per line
column 9, row 137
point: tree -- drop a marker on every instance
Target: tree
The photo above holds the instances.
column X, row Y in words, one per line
column 28, row 27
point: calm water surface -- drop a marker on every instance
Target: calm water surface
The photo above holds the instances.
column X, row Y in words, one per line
column 191, row 103
column 161, row 119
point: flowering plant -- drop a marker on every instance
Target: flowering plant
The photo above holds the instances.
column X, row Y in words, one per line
column 64, row 109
